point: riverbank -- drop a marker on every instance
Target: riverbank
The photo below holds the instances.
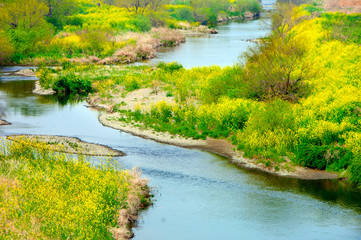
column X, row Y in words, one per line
column 147, row 97
column 217, row 146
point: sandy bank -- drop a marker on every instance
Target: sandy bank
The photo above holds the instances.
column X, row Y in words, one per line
column 4, row 122
column 216, row 146
column 70, row 145
column 39, row 90
column 28, row 72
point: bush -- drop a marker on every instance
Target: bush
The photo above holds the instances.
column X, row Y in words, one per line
column 170, row 67
column 323, row 157
column 75, row 21
column 96, row 39
column 72, row 83
column 6, row 48
column 183, row 14
column 355, row 173
column 45, row 76
column 141, row 23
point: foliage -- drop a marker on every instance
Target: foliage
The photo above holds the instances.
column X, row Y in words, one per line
column 142, row 23
column 71, row 83
column 320, row 129
column 276, row 67
column 181, row 12
column 59, row 11
column 45, row 76
column 23, row 20
column 46, row 195
column 170, row 67
column 139, row 6
column 65, row 83
column 6, row 48
column 241, row 6
column 343, row 27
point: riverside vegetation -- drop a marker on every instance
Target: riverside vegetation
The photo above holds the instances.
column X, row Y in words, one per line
column 46, row 195
column 296, row 99
column 103, row 31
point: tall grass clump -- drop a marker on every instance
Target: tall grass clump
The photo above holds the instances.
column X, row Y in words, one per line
column 46, row 195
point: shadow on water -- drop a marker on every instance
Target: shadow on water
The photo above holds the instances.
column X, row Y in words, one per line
column 198, row 195
column 333, row 191
column 19, row 97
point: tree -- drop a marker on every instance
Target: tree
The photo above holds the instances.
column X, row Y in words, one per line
column 140, row 6
column 277, row 67
column 206, row 11
column 6, row 47
column 59, row 10
column 24, row 14
column 24, row 21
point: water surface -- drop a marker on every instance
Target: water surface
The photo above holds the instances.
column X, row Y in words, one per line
column 198, row 195
column 220, row 49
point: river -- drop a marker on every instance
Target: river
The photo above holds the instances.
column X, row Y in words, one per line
column 198, row 195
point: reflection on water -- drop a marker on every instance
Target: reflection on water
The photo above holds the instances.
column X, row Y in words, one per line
column 335, row 191
column 17, row 93
column 221, row 49
column 198, row 195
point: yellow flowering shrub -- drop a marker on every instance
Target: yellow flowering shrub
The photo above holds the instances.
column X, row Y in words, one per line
column 54, row 196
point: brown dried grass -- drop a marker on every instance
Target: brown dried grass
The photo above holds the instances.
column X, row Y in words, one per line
column 168, row 37
column 127, row 217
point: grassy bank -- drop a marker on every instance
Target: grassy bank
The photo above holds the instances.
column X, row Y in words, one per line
column 54, row 196
column 34, row 32
column 296, row 99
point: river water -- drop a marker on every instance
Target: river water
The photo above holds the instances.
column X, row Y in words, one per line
column 198, row 195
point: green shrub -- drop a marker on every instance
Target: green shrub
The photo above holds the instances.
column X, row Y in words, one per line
column 184, row 14
column 132, row 84
column 141, row 23
column 75, row 21
column 170, row 67
column 6, row 48
column 72, row 83
column 66, row 65
column 45, row 76
column 355, row 173
column 277, row 114
column 322, row 157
